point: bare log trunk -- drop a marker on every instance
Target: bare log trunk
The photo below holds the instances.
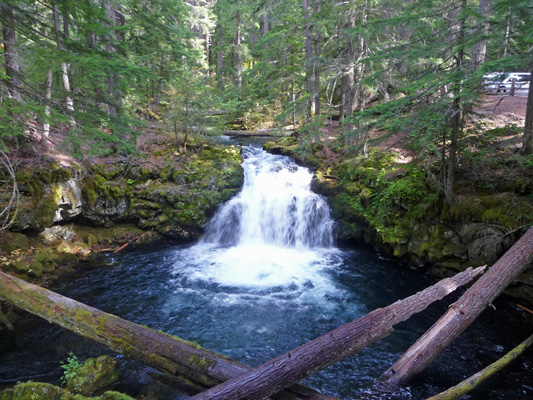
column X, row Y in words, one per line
column 327, row 349
column 460, row 314
column 200, row 368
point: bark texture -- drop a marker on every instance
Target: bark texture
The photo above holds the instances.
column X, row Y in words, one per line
column 220, row 59
column 327, row 349
column 198, row 368
column 61, row 46
column 479, row 49
column 10, row 51
column 461, row 314
column 48, row 96
column 309, row 62
column 527, row 141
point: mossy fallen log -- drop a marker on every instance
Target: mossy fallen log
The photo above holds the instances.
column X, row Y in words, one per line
column 327, row 349
column 475, row 380
column 195, row 367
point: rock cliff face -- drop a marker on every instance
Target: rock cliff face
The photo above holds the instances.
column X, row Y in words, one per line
column 173, row 194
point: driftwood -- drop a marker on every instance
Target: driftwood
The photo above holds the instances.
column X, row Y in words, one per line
column 327, row 349
column 197, row 368
column 475, row 380
column 460, row 314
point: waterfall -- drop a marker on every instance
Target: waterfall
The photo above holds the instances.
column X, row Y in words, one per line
column 275, row 235
column 275, row 207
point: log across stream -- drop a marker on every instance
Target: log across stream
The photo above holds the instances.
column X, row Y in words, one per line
column 253, row 302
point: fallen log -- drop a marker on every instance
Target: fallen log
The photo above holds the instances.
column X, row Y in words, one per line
column 196, row 368
column 475, row 380
column 460, row 315
column 327, row 349
column 259, row 132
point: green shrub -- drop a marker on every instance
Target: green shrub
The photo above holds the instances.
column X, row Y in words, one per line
column 72, row 368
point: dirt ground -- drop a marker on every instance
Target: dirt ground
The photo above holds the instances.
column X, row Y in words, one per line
column 495, row 111
column 503, row 110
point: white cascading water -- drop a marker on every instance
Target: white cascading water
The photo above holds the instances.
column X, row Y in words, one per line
column 275, row 207
column 276, row 234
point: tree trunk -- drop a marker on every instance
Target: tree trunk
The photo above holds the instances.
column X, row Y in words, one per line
column 316, row 63
column 460, row 314
column 327, row 349
column 507, row 40
column 456, row 121
column 239, row 52
column 207, row 48
column 350, row 75
column 61, row 46
column 114, row 97
column 308, row 47
column 265, row 22
column 527, row 140
column 479, row 49
column 343, row 99
column 475, row 380
column 220, row 57
column 48, row 96
column 198, row 367
column 10, row 51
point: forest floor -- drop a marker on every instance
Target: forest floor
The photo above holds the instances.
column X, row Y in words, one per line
column 494, row 111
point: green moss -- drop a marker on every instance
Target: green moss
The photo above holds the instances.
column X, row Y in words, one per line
column 200, row 363
column 165, row 173
column 108, row 171
column 35, row 269
column 46, row 391
column 11, row 241
column 94, row 374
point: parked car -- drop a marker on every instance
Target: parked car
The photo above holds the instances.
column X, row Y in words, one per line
column 502, row 82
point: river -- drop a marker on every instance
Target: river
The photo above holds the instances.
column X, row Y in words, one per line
column 265, row 278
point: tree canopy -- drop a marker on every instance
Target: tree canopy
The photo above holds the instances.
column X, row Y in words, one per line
column 96, row 69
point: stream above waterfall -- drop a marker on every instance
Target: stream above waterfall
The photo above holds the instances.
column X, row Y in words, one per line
column 265, row 278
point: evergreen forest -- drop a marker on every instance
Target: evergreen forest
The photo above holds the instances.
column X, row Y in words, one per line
column 128, row 122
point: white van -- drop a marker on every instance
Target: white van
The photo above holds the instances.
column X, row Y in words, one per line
column 502, row 82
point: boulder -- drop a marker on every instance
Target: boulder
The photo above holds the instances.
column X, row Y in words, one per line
column 95, row 374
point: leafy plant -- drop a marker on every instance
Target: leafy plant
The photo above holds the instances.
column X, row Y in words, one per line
column 72, row 369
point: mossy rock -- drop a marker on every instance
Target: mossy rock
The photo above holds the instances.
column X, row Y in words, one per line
column 10, row 241
column 95, row 374
column 35, row 269
column 46, row 391
column 19, row 266
column 67, row 260
column 92, row 240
